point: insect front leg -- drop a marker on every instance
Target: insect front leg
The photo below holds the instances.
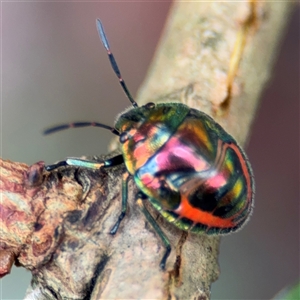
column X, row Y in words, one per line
column 96, row 165
column 89, row 164
column 125, row 177
column 141, row 197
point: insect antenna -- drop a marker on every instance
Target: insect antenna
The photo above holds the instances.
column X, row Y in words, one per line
column 79, row 124
column 113, row 61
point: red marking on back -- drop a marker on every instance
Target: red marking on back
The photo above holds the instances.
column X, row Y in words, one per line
column 196, row 215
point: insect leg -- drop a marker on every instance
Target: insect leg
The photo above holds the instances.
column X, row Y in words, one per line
column 125, row 177
column 140, row 198
column 89, row 164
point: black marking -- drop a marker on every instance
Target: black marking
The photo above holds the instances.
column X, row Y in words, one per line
column 132, row 115
column 52, row 292
column 56, row 232
column 135, row 117
column 98, row 270
column 171, row 198
column 81, row 177
column 204, row 198
column 74, row 216
column 92, row 212
column 180, row 164
column 37, row 226
column 166, row 109
column 187, row 222
column 223, row 211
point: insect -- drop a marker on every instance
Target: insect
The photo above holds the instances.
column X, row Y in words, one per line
column 189, row 168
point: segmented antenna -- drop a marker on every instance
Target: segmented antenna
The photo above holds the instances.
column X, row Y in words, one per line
column 79, row 124
column 113, row 61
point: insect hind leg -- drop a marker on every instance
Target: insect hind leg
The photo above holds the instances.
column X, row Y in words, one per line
column 140, row 202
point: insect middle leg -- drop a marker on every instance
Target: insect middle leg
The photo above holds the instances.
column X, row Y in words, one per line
column 141, row 197
column 125, row 177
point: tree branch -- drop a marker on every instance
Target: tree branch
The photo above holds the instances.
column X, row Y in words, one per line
column 216, row 57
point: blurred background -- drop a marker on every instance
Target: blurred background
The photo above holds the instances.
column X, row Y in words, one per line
column 55, row 70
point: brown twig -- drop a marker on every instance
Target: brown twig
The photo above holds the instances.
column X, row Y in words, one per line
column 213, row 56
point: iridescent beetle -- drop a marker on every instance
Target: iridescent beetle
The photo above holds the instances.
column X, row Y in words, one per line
column 182, row 161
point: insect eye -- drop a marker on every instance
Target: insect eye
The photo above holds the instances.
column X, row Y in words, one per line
column 149, row 105
column 124, row 137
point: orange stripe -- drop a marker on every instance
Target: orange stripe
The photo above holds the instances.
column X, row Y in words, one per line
column 185, row 210
column 196, row 215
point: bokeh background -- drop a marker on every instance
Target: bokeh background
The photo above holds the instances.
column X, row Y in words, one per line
column 55, row 70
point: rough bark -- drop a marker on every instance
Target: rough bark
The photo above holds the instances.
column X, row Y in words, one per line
column 213, row 56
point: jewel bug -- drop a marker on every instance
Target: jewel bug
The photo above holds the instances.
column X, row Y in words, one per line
column 190, row 169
